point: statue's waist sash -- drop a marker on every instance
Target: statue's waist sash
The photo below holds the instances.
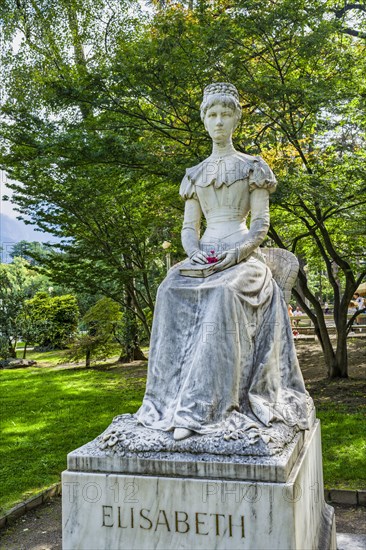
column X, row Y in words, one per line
column 224, row 215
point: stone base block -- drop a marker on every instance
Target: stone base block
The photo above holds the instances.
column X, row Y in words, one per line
column 105, row 511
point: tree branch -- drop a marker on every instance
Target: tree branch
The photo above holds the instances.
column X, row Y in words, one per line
column 347, row 7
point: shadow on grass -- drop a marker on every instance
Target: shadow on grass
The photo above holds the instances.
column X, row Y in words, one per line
column 47, row 413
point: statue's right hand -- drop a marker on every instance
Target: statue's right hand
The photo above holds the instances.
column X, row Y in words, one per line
column 199, row 257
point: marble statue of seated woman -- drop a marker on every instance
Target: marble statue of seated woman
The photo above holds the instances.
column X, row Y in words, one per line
column 221, row 341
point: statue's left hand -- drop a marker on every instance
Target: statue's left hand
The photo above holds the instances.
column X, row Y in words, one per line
column 225, row 259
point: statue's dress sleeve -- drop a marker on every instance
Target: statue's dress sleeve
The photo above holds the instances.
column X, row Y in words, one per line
column 261, row 176
column 261, row 182
column 187, row 187
column 192, row 216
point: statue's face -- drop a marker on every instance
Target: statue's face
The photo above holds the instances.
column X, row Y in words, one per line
column 220, row 123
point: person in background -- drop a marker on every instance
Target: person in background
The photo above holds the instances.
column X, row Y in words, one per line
column 295, row 332
column 290, row 313
column 359, row 301
column 297, row 313
column 359, row 305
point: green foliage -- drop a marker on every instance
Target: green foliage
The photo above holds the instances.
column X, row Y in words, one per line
column 53, row 319
column 32, row 251
column 103, row 323
column 18, row 283
column 108, row 120
column 90, row 196
column 319, row 284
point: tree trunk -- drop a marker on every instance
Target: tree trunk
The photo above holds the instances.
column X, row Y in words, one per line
column 25, row 350
column 132, row 354
column 138, row 354
column 132, row 350
column 126, row 356
column 87, row 358
column 11, row 350
column 335, row 360
column 340, row 369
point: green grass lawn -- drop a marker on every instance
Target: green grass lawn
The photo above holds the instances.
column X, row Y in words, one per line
column 343, row 446
column 47, row 412
column 47, row 358
column 53, row 358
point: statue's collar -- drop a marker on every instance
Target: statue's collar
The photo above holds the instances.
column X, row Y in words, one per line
column 224, row 169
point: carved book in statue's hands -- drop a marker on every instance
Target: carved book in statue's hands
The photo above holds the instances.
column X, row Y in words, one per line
column 198, row 270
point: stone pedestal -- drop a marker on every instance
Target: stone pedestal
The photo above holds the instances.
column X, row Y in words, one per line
column 274, row 503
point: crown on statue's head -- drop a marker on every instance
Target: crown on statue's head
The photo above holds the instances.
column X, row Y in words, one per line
column 222, row 88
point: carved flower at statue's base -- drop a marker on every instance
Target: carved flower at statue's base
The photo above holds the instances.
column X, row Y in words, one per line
column 237, row 436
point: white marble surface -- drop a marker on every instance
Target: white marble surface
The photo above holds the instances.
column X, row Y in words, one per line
column 347, row 541
column 222, row 356
column 90, row 458
column 110, row 511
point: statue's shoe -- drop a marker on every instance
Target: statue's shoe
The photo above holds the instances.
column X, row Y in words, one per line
column 181, row 433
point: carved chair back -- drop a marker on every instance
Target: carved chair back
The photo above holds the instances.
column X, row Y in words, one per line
column 284, row 266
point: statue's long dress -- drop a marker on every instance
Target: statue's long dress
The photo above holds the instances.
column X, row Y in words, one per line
column 223, row 343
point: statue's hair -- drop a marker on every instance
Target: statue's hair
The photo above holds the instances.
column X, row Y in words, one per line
column 222, row 93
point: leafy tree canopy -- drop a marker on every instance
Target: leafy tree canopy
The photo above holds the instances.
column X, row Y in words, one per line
column 18, row 283
column 101, row 133
column 55, row 319
column 103, row 323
